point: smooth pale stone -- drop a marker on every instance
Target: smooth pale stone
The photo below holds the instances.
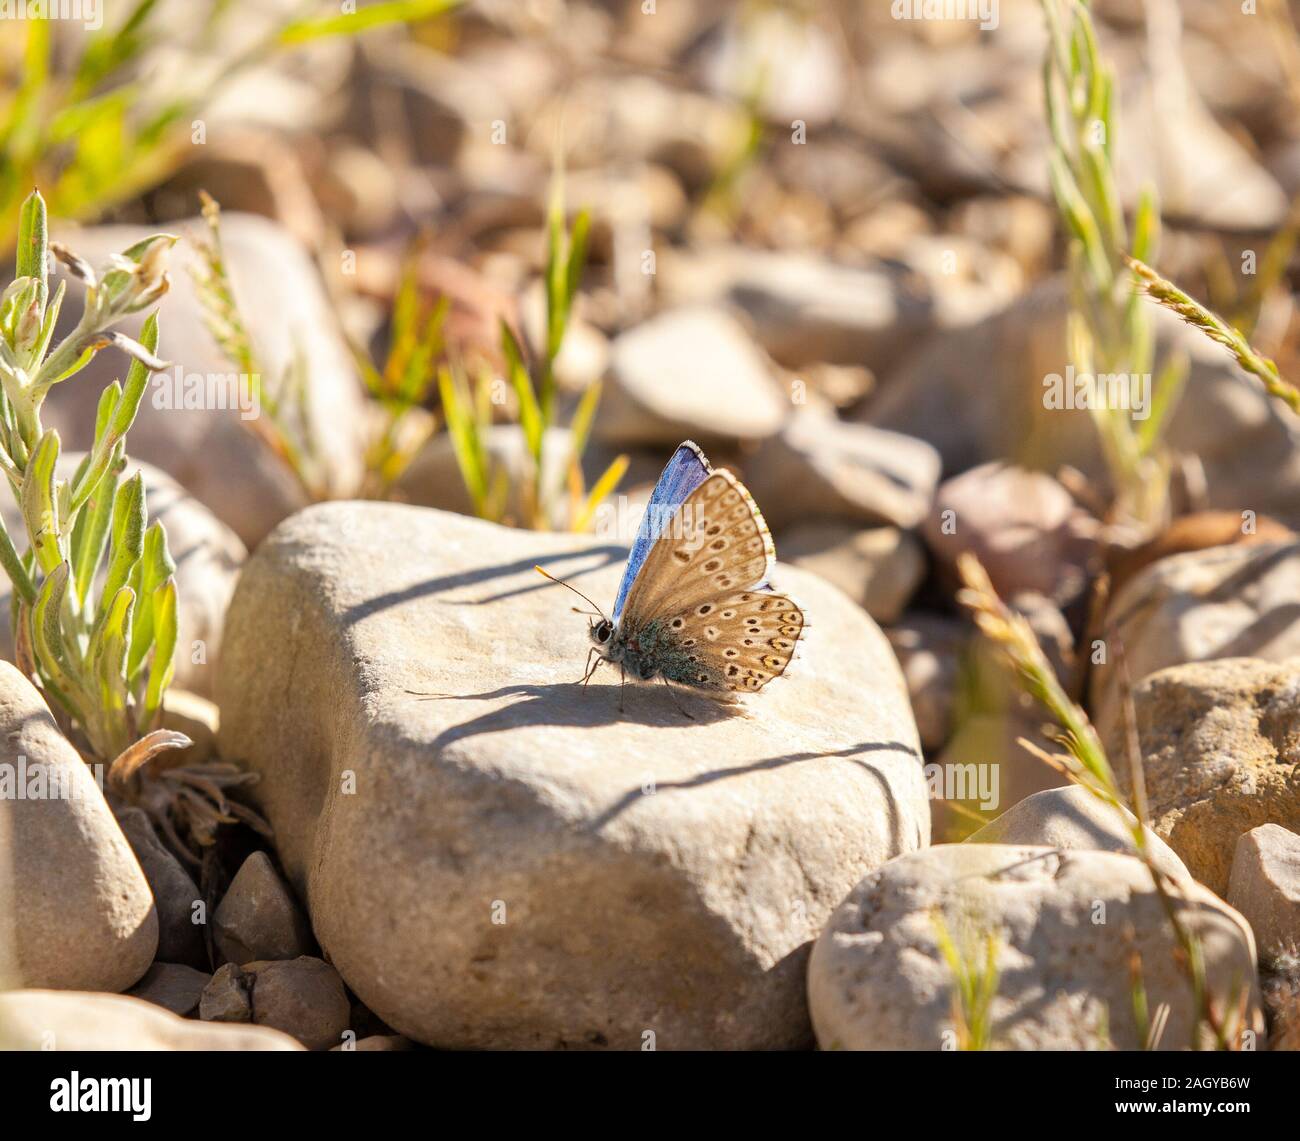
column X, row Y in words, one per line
column 378, row 1043
column 692, row 372
column 494, row 856
column 76, row 912
column 1265, row 886
column 878, row 567
column 76, row 1020
column 806, row 67
column 803, row 308
column 1066, row 925
column 1237, row 601
column 1218, row 755
column 819, row 465
column 1073, row 818
column 1024, row 527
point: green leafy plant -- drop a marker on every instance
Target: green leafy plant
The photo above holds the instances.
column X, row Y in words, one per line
column 94, row 594
column 1108, row 332
column 1084, row 762
column 96, row 132
column 468, row 411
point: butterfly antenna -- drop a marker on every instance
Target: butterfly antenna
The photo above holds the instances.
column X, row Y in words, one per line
column 547, row 574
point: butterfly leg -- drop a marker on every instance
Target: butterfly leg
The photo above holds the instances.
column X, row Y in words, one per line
column 622, row 685
column 589, row 668
column 680, row 708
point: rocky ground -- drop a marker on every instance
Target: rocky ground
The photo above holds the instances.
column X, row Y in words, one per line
column 463, row 846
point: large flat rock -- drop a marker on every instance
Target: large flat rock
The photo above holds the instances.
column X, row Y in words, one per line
column 493, row 856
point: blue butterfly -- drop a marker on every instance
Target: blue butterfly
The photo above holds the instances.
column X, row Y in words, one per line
column 694, row 606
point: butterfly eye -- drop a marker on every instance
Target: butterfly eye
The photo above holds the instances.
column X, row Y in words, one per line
column 603, row 631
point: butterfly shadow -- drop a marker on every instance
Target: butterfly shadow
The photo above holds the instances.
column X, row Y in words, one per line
column 566, row 704
column 593, row 559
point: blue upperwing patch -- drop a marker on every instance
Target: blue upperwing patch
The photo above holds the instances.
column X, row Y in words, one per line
column 681, row 475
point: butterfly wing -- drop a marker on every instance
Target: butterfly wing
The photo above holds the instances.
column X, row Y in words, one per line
column 700, row 602
column 683, row 473
column 735, row 642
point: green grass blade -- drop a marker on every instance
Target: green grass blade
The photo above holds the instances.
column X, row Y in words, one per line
column 530, row 412
column 600, row 490
column 363, row 19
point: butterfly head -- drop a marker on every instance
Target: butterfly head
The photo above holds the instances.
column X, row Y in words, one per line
column 602, row 632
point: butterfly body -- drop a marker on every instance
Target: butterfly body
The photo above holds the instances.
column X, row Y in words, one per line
column 694, row 607
column 655, row 651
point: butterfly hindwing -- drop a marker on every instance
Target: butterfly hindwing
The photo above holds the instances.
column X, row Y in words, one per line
column 738, row 642
column 682, row 474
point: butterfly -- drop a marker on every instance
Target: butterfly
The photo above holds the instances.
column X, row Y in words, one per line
column 694, row 606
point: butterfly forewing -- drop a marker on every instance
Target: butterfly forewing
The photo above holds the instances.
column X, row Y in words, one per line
column 683, row 473
column 717, row 543
column 700, row 589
